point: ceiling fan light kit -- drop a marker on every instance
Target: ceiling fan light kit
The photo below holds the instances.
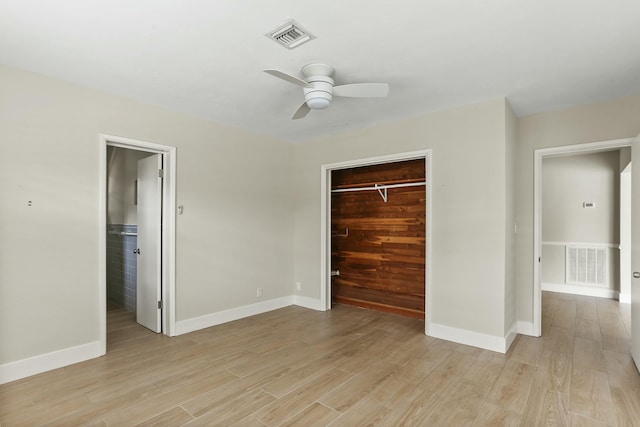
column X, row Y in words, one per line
column 318, row 87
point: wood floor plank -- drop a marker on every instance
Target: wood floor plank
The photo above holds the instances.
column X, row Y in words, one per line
column 302, row 397
column 626, row 406
column 527, row 349
column 358, row 387
column 554, row 371
column 455, row 412
column 395, row 388
column 546, row 407
column 621, row 370
column 136, row 412
column 586, row 309
column 511, row 389
column 316, row 415
column 577, row 420
column 490, row 415
column 247, row 422
column 448, row 373
column 588, row 329
column 565, row 315
column 559, row 340
column 590, row 395
column 172, row 417
column 232, row 409
column 415, row 411
column 588, row 354
column 478, row 381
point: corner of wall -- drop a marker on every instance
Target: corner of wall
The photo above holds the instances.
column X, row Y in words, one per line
column 472, row 338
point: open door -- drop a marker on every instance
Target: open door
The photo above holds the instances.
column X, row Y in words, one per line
column 149, row 284
column 635, row 250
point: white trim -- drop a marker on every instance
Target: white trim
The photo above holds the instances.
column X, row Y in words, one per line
column 168, row 230
column 220, row 317
column 525, row 328
column 511, row 336
column 306, row 302
column 624, row 298
column 591, row 147
column 475, row 339
column 582, row 244
column 19, row 369
column 589, row 291
column 537, row 248
column 325, row 218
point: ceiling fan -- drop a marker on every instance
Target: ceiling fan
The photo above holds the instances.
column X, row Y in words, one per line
column 319, row 89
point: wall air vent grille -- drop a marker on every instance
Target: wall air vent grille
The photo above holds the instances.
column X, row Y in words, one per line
column 290, row 35
column 586, row 266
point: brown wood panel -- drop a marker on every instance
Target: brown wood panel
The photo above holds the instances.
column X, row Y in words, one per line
column 382, row 256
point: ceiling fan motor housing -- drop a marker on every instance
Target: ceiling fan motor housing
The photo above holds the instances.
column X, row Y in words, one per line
column 320, row 95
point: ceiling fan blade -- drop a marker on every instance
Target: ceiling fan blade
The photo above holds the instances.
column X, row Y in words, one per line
column 362, row 90
column 289, row 78
column 301, row 112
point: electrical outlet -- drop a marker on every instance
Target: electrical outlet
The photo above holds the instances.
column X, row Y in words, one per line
column 298, row 286
column 259, row 292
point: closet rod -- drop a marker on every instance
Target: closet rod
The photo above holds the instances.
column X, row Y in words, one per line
column 122, row 233
column 379, row 187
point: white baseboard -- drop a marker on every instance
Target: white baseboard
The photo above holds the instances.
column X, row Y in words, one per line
column 511, row 336
column 525, row 328
column 312, row 303
column 46, row 362
column 220, row 317
column 588, row 291
column 624, row 298
column 463, row 336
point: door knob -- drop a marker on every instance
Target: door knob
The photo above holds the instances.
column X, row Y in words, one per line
column 636, row 275
column 335, row 272
column 136, row 251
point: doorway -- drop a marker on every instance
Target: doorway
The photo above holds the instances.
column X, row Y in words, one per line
column 539, row 156
column 134, row 221
column 326, row 227
column 164, row 253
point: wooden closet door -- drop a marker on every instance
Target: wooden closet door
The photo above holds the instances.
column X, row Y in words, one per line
column 381, row 258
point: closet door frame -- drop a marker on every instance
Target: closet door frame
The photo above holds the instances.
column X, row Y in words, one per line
column 325, row 220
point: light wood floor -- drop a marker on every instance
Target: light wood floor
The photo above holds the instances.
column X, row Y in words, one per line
column 346, row 367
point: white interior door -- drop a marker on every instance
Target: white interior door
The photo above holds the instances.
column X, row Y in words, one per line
column 635, row 250
column 149, row 285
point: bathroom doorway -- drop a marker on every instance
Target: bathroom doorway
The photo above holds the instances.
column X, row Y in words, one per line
column 132, row 175
column 137, row 260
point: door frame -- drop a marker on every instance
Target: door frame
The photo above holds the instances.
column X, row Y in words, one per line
column 325, row 220
column 539, row 155
column 168, row 230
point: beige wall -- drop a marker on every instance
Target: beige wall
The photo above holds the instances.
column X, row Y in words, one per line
column 235, row 233
column 603, row 121
column 468, row 207
column 567, row 183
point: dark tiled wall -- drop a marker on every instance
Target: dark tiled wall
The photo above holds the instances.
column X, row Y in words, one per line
column 122, row 265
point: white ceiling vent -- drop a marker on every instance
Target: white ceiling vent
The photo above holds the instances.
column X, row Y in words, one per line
column 290, row 35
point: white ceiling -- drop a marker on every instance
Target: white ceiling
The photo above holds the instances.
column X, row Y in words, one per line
column 205, row 57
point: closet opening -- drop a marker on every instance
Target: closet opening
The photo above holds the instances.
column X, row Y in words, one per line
column 376, row 228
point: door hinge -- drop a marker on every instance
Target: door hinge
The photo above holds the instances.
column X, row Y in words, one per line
column 160, row 173
column 159, row 305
